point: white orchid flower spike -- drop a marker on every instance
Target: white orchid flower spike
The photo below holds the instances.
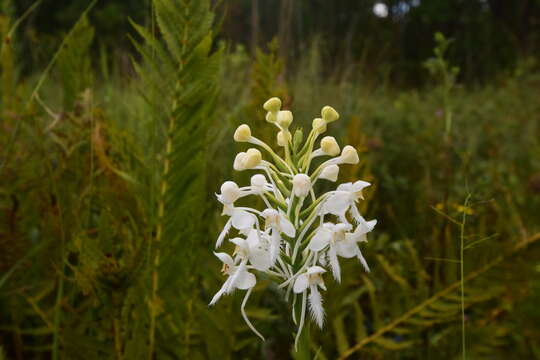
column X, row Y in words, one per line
column 297, row 234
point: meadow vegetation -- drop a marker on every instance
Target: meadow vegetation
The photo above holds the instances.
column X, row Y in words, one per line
column 109, row 218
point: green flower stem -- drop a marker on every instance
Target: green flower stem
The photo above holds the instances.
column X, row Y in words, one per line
column 279, row 161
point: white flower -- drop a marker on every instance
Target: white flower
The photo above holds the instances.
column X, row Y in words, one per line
column 345, row 197
column 239, row 217
column 256, row 248
column 349, row 247
column 278, row 223
column 340, row 242
column 295, row 253
column 330, row 172
column 312, row 279
column 238, row 277
column 301, row 185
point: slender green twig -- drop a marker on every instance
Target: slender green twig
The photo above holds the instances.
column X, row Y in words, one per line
column 462, row 274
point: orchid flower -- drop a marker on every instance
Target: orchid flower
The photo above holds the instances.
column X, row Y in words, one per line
column 239, row 218
column 344, row 198
column 311, row 279
column 278, row 223
column 238, row 276
column 297, row 235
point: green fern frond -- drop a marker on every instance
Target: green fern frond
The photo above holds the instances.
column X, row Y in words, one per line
column 73, row 64
column 179, row 75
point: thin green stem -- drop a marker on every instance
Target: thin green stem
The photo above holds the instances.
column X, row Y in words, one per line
column 462, row 276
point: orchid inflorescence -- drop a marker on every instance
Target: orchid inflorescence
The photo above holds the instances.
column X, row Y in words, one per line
column 297, row 240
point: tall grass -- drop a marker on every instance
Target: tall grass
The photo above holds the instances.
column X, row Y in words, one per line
column 108, row 216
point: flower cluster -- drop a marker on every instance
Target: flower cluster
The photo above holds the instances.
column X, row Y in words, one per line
column 299, row 235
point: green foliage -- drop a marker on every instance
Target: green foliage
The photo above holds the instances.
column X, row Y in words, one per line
column 74, row 65
column 178, row 78
column 109, row 217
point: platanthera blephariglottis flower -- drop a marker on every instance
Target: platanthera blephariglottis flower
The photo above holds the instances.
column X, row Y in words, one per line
column 298, row 236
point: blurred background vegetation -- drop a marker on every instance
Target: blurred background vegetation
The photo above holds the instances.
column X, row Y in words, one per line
column 116, row 131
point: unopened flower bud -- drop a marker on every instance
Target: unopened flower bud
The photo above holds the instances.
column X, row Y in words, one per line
column 283, row 138
column 271, row 117
column 252, row 159
column 284, row 118
column 329, row 114
column 301, row 185
column 349, row 155
column 242, row 133
column 238, row 164
column 272, row 105
column 330, row 172
column 330, row 146
column 319, row 125
column 229, row 192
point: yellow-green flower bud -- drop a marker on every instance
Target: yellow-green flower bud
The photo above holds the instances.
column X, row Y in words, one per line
column 349, row 155
column 329, row 114
column 238, row 164
column 284, row 118
column 283, row 138
column 242, row 133
column 319, row 125
column 272, row 105
column 330, row 146
column 252, row 159
column 271, row 117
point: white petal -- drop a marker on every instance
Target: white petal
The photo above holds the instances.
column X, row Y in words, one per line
column 241, row 219
column 348, row 187
column 359, row 185
column 225, row 258
column 362, row 260
column 321, row 238
column 347, row 248
column 253, row 238
column 219, row 294
column 286, row 226
column 338, row 203
column 300, row 284
column 223, row 233
column 315, row 270
column 260, row 259
column 245, row 280
column 364, row 227
column 315, row 306
column 275, row 246
column 334, row 263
